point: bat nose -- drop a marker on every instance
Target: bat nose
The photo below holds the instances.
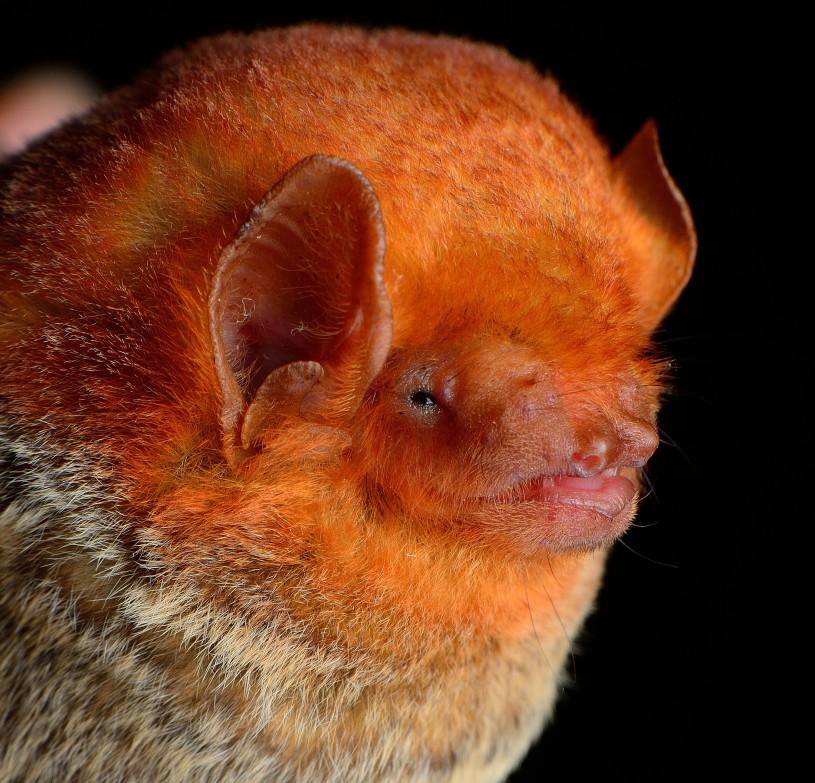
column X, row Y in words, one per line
column 592, row 457
column 640, row 441
column 628, row 445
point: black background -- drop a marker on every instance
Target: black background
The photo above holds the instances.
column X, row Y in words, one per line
column 682, row 664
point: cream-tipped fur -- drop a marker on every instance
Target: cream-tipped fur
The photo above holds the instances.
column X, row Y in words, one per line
column 325, row 385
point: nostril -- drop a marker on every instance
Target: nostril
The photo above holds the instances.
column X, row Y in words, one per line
column 642, row 440
column 592, row 460
column 628, row 444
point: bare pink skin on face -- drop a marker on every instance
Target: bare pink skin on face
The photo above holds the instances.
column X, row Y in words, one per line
column 607, row 493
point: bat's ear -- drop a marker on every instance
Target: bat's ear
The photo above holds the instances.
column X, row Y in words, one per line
column 661, row 225
column 300, row 318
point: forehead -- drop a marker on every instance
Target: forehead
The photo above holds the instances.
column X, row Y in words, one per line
column 551, row 277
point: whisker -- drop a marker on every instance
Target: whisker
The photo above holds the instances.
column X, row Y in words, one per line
column 704, row 339
column 665, row 438
column 645, row 557
column 563, row 628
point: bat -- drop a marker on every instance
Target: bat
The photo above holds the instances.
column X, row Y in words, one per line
column 327, row 381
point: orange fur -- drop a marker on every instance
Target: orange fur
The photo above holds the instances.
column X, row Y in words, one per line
column 290, row 485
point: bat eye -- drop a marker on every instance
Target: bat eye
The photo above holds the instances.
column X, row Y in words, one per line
column 423, row 399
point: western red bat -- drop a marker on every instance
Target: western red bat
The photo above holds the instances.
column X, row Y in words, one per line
column 327, row 378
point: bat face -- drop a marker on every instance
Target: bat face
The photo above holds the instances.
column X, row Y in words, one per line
column 486, row 440
column 326, row 384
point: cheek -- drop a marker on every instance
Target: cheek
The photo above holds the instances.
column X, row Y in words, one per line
column 410, row 456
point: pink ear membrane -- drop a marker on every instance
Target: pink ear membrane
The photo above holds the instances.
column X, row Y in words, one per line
column 301, row 286
column 282, row 390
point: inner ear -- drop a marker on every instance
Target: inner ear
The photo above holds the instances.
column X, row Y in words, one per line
column 302, row 282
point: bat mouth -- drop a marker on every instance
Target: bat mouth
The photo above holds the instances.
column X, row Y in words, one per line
column 562, row 513
column 607, row 493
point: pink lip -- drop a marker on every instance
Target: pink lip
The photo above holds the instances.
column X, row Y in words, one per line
column 605, row 493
